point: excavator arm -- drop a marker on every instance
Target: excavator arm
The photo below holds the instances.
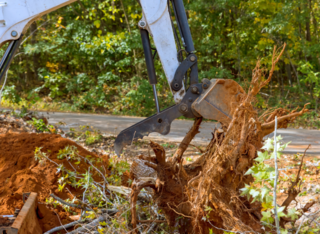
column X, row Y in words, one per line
column 210, row 99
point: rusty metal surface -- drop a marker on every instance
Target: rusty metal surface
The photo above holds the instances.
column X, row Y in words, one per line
column 25, row 197
column 219, row 100
column 27, row 221
column 6, row 230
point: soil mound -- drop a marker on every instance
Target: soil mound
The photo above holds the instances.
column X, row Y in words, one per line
column 21, row 173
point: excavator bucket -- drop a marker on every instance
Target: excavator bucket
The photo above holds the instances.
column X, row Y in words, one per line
column 219, row 100
column 215, row 99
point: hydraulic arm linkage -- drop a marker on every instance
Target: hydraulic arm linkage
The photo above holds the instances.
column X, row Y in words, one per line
column 209, row 99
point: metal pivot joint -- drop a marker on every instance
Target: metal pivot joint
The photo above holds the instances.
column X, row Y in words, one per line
column 149, row 62
column 189, row 62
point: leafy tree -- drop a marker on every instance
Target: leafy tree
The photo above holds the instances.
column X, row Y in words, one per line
column 89, row 56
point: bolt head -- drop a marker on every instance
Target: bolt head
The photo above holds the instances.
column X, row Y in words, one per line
column 14, row 34
column 190, row 99
column 183, row 108
column 142, row 23
column 194, row 89
column 205, row 83
column 193, row 58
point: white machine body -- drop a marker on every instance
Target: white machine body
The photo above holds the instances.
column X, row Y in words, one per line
column 17, row 15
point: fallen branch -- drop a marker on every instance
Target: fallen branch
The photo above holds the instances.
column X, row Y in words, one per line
column 110, row 212
column 83, row 206
column 89, row 226
column 152, row 221
column 69, row 225
column 127, row 191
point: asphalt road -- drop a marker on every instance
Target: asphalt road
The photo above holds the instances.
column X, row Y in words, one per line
column 109, row 124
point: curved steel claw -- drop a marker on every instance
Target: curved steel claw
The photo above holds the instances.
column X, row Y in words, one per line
column 160, row 123
column 157, row 123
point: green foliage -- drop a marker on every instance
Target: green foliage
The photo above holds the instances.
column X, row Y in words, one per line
column 308, row 120
column 94, row 184
column 263, row 186
column 41, row 126
column 88, row 134
column 94, row 193
column 118, row 168
column 168, row 145
column 10, row 94
column 310, row 76
column 89, row 56
column 69, row 152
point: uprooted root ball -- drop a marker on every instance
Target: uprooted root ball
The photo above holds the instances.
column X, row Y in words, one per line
column 207, row 192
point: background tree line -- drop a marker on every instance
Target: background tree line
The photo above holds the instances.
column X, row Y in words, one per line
column 88, row 55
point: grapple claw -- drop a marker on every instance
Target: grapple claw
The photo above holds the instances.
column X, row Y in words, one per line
column 160, row 123
column 219, row 100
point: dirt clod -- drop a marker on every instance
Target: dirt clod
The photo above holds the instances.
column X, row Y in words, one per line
column 5, row 221
column 20, row 173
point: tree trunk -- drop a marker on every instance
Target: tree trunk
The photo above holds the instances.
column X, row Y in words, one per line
column 279, row 83
column 288, row 70
column 281, row 78
column 36, row 56
column 296, row 73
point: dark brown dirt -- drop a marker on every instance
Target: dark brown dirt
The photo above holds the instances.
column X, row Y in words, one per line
column 20, row 173
column 4, row 221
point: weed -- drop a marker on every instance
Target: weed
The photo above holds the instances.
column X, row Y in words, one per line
column 92, row 137
column 40, row 125
column 86, row 133
column 168, row 145
column 262, row 188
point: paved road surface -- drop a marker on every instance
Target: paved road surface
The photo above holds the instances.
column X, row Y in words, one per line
column 114, row 124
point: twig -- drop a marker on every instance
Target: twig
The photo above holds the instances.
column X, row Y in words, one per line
column 198, row 148
column 91, row 225
column 294, row 190
column 152, row 226
column 66, row 226
column 276, row 177
column 152, row 221
column 298, row 175
column 70, row 204
column 110, row 212
column 230, row 230
column 60, row 220
column 84, row 193
column 35, row 31
column 104, row 178
column 300, row 225
column 178, row 212
column 127, row 191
